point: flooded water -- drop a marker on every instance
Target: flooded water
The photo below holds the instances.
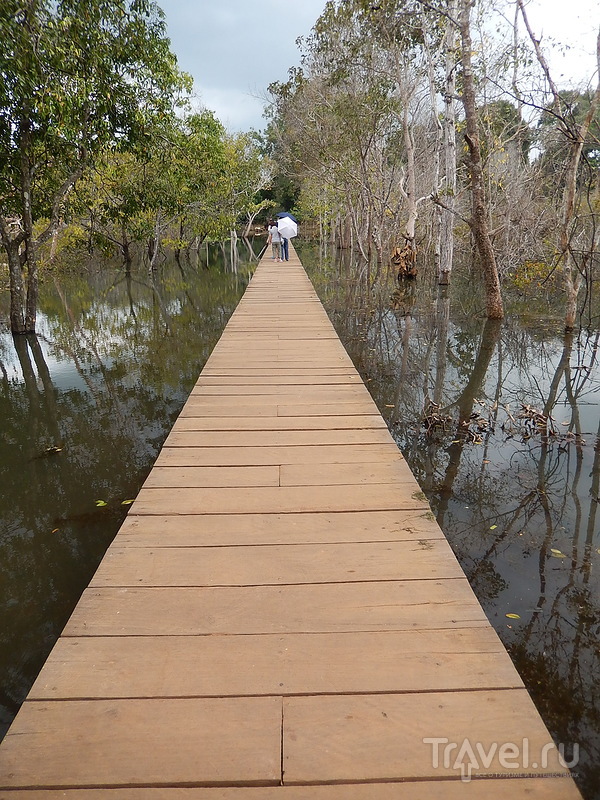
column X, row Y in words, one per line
column 500, row 424
column 85, row 407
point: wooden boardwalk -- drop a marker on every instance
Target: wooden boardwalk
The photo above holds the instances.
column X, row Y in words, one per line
column 279, row 617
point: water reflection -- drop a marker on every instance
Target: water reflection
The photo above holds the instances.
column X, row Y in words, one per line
column 501, row 427
column 85, row 407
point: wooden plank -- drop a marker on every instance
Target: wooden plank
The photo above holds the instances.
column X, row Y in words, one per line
column 250, row 529
column 193, row 423
column 275, row 438
column 366, row 406
column 326, row 739
column 278, row 380
column 268, row 565
column 242, row 369
column 316, row 392
column 201, row 406
column 269, row 455
column 394, row 470
column 281, row 499
column 144, row 742
column 291, row 664
column 312, row 608
column 489, row 789
column 163, row 477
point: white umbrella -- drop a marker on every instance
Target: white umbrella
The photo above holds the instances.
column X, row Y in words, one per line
column 287, row 227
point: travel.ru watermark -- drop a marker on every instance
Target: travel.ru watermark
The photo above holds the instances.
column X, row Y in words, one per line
column 469, row 756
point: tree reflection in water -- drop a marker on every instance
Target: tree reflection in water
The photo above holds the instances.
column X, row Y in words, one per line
column 85, row 407
column 500, row 425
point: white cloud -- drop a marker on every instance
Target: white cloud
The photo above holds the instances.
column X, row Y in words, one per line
column 234, row 48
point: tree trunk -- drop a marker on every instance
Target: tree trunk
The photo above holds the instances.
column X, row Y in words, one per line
column 30, row 244
column 17, row 288
column 479, row 221
column 125, row 249
column 154, row 243
column 447, row 213
column 411, row 180
column 577, row 135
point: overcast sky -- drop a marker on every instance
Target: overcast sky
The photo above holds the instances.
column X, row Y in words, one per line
column 235, row 48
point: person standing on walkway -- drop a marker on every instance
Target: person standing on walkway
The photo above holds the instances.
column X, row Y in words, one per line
column 285, row 253
column 275, row 240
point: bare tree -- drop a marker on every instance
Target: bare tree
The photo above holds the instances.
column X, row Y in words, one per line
column 576, row 135
column 479, row 211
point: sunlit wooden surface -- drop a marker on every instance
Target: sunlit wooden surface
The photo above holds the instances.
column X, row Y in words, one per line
column 279, row 617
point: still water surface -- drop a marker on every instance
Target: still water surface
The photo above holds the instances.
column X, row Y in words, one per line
column 85, row 407
column 500, row 425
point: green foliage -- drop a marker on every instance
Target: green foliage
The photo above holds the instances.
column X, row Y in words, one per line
column 192, row 174
column 77, row 78
column 531, row 274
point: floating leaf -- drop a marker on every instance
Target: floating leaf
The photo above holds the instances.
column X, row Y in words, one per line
column 512, row 616
column 127, row 502
column 100, row 503
column 554, row 550
column 55, row 530
column 598, row 550
column 486, row 461
column 557, row 554
column 493, row 527
column 388, row 406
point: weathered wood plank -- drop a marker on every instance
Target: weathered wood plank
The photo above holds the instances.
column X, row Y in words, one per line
column 278, row 380
column 218, row 666
column 366, row 406
column 212, row 407
column 275, row 438
column 488, row 789
column 199, row 406
column 215, row 477
column 269, row 565
column 242, row 369
column 291, row 394
column 313, row 608
column 268, row 455
column 374, row 737
column 280, row 499
column 144, row 742
column 393, row 470
column 188, row 422
column 250, row 529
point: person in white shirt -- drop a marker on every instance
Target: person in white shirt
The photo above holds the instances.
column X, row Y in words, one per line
column 275, row 240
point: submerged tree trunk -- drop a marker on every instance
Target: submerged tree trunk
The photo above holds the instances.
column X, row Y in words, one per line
column 154, row 243
column 13, row 236
column 30, row 244
column 125, row 247
column 17, row 287
column 479, row 218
